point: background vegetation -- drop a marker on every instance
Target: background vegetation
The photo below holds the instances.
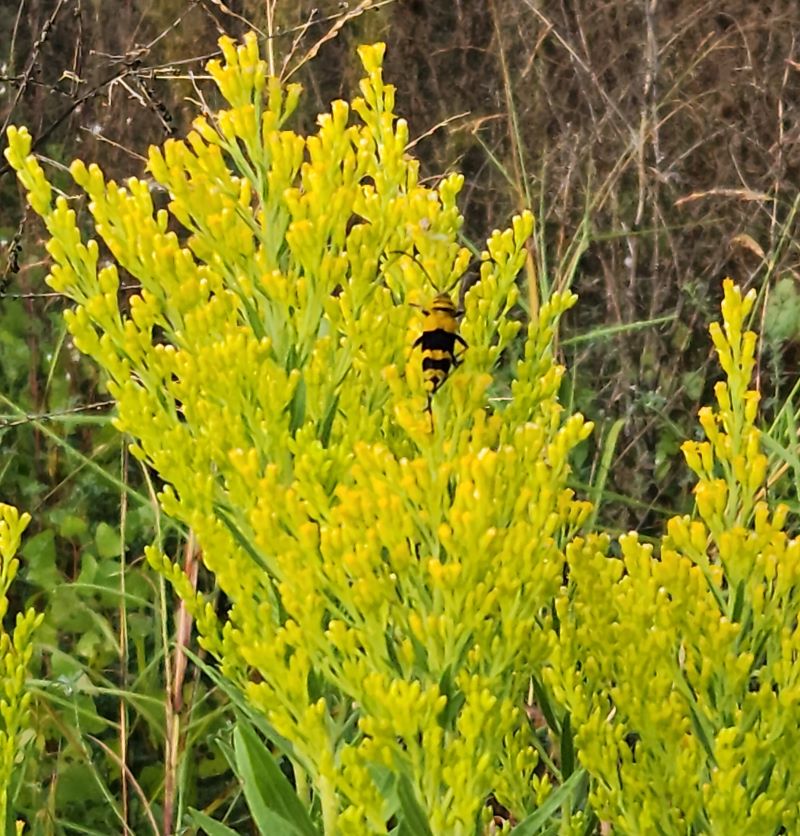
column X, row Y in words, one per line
column 658, row 143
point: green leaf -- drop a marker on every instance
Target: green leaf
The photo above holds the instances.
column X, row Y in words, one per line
column 693, row 382
column 273, row 803
column 243, row 542
column 385, row 781
column 567, row 748
column 88, row 572
column 609, row 445
column 414, row 821
column 256, row 720
column 543, row 701
column 738, row 602
column 107, row 540
column 543, row 816
column 212, row 827
column 327, row 422
column 420, row 653
column 297, row 408
column 39, row 564
column 766, row 777
column 455, row 699
column 71, row 525
column 703, row 731
column 782, row 313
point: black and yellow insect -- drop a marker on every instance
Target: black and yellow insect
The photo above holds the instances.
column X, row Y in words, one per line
column 438, row 343
column 439, row 337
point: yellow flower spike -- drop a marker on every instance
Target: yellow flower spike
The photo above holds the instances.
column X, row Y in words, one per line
column 371, row 56
column 386, row 550
column 751, row 399
column 732, row 313
column 19, row 146
column 779, row 517
column 741, row 469
column 708, row 422
column 748, row 350
column 16, row 650
column 29, row 171
column 248, row 52
column 689, row 731
column 704, row 455
column 752, row 443
column 722, row 395
column 757, row 475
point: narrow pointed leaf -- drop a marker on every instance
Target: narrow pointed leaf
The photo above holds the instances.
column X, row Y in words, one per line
column 271, row 798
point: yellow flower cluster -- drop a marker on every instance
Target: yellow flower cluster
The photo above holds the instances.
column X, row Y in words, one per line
column 390, row 577
column 680, row 669
column 16, row 649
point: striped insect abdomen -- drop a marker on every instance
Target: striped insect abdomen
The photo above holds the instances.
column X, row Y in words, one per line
column 438, row 342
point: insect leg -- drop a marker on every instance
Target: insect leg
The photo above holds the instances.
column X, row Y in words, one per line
column 457, row 357
column 429, row 409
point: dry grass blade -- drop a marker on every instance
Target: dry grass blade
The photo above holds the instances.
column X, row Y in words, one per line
column 739, row 194
column 747, row 242
column 437, row 127
column 363, row 6
column 231, row 13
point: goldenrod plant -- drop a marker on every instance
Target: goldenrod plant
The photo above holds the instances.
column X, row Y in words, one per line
column 391, row 574
column 16, row 649
column 679, row 665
